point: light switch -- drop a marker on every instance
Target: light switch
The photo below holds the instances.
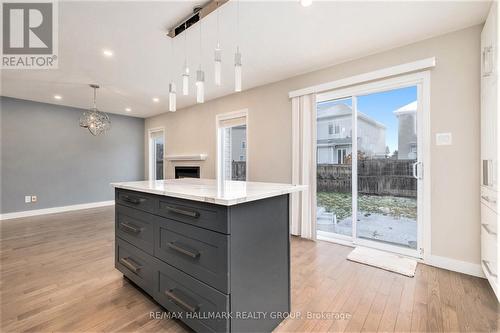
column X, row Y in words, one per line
column 443, row 139
column 27, row 198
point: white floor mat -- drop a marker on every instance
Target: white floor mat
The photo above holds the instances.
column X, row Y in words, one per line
column 385, row 260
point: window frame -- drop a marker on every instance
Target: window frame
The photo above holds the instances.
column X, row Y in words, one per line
column 152, row 153
column 219, row 118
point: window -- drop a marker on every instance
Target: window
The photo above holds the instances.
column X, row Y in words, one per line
column 330, row 129
column 337, row 129
column 156, row 150
column 232, row 145
column 341, row 154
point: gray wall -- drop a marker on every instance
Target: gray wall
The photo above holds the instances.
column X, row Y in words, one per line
column 45, row 153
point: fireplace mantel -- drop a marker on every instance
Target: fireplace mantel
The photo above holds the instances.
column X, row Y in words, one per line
column 193, row 157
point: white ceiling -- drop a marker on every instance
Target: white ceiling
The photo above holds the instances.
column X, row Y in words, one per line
column 277, row 39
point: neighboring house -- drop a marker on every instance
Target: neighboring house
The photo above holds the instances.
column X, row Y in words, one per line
column 334, row 135
column 407, row 131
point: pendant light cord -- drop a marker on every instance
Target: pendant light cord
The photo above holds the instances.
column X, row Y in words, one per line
column 185, row 44
column 237, row 22
column 95, row 104
column 201, row 50
column 218, row 39
column 170, row 68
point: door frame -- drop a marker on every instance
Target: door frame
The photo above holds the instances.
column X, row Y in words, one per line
column 422, row 81
column 219, row 142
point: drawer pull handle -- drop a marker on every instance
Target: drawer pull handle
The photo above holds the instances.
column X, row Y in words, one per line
column 488, row 230
column 186, row 212
column 485, row 198
column 128, row 263
column 130, row 228
column 487, row 265
column 133, row 200
column 193, row 254
column 183, row 304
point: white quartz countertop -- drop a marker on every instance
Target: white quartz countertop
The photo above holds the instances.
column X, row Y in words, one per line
column 225, row 193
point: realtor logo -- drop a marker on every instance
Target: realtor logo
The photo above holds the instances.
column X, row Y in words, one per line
column 29, row 35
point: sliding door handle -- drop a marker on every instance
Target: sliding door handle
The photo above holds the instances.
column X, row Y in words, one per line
column 416, row 170
column 127, row 262
column 189, row 252
column 190, row 213
column 180, row 302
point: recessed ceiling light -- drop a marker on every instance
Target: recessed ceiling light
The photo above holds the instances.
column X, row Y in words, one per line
column 306, row 3
column 156, row 99
column 107, row 53
column 128, row 109
column 57, row 97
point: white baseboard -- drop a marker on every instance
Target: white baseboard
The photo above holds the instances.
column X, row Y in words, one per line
column 455, row 265
column 432, row 260
column 53, row 210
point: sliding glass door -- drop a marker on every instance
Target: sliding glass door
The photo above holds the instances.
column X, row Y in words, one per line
column 334, row 167
column 387, row 154
column 369, row 189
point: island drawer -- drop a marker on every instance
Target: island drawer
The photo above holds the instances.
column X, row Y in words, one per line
column 201, row 253
column 198, row 303
column 139, row 200
column 135, row 264
column 135, row 227
column 200, row 214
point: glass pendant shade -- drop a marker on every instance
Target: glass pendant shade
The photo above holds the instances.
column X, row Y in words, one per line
column 185, row 80
column 172, row 98
column 218, row 65
column 200, row 86
column 95, row 121
column 237, row 70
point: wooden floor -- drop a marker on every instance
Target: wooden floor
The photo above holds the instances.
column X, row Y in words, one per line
column 57, row 274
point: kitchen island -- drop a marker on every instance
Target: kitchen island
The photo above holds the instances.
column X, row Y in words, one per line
column 214, row 254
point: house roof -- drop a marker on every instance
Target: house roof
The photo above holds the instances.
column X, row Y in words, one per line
column 342, row 110
column 408, row 108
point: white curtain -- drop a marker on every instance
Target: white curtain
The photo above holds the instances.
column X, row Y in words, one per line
column 303, row 204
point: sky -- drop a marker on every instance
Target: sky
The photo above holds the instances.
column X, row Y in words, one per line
column 380, row 106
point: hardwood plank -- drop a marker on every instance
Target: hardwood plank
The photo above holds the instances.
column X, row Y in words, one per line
column 58, row 275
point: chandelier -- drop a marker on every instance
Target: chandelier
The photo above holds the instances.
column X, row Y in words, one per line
column 95, row 121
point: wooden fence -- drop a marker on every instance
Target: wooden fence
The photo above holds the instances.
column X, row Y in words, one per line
column 239, row 170
column 375, row 176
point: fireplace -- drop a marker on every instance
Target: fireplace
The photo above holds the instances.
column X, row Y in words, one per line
column 187, row 172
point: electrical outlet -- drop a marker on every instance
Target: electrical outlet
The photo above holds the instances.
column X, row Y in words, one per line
column 27, row 198
column 34, row 198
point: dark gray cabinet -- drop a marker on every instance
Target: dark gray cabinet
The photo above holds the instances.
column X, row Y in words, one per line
column 213, row 264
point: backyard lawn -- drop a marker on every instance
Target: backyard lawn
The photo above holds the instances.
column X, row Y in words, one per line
column 341, row 203
column 384, row 218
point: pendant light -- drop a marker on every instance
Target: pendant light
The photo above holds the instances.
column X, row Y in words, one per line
column 200, row 78
column 200, row 86
column 185, row 71
column 218, row 56
column 172, row 96
column 237, row 55
column 95, row 121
